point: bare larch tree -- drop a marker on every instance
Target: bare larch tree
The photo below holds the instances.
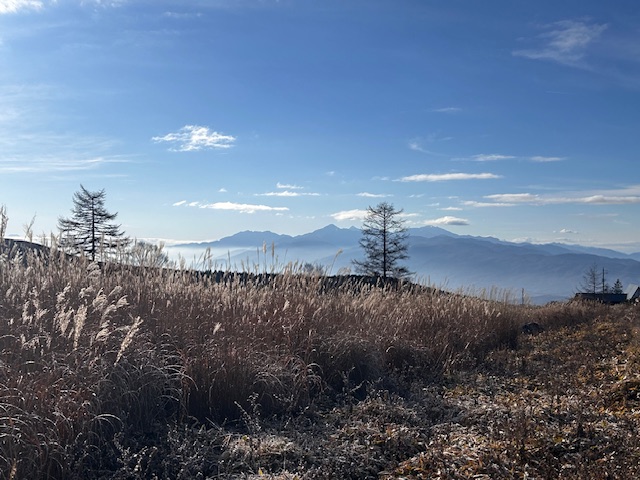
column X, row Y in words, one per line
column 384, row 241
column 90, row 228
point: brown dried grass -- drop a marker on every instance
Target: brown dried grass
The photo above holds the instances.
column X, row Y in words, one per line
column 102, row 367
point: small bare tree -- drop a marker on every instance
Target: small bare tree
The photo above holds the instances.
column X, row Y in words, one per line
column 590, row 280
column 384, row 241
column 594, row 280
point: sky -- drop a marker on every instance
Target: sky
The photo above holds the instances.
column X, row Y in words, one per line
column 202, row 118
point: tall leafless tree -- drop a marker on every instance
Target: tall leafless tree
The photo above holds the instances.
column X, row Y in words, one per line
column 90, row 228
column 384, row 241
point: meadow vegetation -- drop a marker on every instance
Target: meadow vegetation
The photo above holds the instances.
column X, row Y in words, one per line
column 116, row 372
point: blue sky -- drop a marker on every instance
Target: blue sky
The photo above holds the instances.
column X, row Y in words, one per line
column 514, row 119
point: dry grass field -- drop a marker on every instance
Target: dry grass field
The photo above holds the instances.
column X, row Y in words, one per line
column 115, row 372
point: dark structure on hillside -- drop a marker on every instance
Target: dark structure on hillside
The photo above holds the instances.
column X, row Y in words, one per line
column 631, row 294
column 606, row 298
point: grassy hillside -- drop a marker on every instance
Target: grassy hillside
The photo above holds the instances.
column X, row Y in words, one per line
column 114, row 372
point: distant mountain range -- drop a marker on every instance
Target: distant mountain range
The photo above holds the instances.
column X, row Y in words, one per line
column 436, row 256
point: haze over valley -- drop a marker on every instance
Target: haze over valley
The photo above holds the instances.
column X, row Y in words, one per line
column 436, row 256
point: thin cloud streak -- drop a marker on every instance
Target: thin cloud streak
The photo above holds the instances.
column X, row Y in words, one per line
column 565, row 42
column 445, row 177
column 231, row 206
column 417, row 144
column 605, row 200
column 540, row 159
column 417, row 147
column 373, row 195
column 447, row 110
column 513, row 199
column 288, row 186
column 492, row 157
column 58, row 163
column 471, row 203
column 30, row 146
column 590, row 199
column 287, row 193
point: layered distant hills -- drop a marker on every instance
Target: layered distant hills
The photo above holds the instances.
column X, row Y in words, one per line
column 437, row 256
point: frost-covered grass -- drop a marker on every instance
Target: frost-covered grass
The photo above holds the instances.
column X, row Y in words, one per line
column 123, row 372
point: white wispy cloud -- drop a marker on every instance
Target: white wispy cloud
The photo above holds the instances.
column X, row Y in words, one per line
column 349, row 215
column 599, row 215
column 550, row 200
column 471, row 203
column 181, row 15
column 496, row 157
column 447, row 110
column 417, row 147
column 625, row 196
column 373, row 195
column 445, row 177
column 287, row 193
column 192, row 138
column 25, row 106
column 14, row 6
column 600, row 200
column 29, row 145
column 288, row 186
column 451, row 209
column 565, row 42
column 105, row 3
column 514, row 197
column 491, row 157
column 447, row 220
column 568, row 231
column 231, row 206
column 541, row 159
column 56, row 163
column 417, row 144
column 288, row 190
column 243, row 207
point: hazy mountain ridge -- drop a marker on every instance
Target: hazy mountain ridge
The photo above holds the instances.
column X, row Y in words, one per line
column 544, row 271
